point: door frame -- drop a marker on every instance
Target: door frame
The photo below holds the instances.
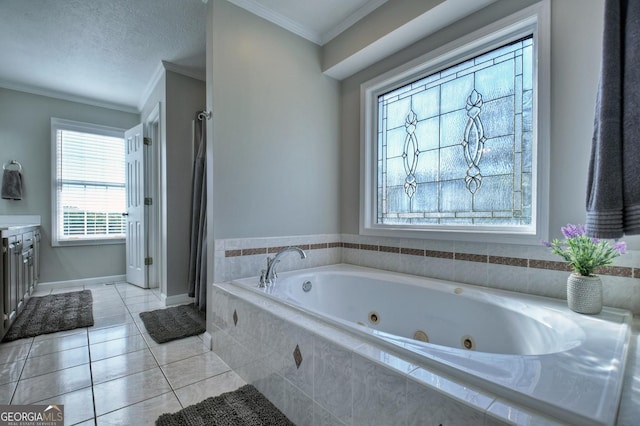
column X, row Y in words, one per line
column 153, row 189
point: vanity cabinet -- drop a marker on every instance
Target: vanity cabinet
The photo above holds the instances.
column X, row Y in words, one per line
column 3, row 317
column 14, row 275
column 28, row 275
column 36, row 257
column 19, row 270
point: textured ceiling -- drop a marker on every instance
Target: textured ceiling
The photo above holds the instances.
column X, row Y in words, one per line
column 105, row 51
column 108, row 52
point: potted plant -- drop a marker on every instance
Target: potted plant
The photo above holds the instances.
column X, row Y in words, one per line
column 584, row 254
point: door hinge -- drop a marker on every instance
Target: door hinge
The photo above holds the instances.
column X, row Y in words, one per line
column 148, row 201
column 148, row 261
column 147, row 141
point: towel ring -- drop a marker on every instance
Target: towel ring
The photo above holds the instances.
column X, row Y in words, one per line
column 12, row 163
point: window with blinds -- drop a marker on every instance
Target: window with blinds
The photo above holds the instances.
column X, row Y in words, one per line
column 89, row 183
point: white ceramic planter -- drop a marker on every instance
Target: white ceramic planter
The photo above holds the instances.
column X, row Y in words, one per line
column 584, row 294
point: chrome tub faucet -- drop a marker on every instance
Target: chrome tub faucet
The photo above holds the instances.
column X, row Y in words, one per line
column 269, row 276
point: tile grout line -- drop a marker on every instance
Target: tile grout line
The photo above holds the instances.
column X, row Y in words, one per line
column 148, row 347
column 13, row 394
column 93, row 394
column 173, row 390
column 54, row 396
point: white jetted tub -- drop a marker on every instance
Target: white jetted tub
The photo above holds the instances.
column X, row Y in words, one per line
column 527, row 349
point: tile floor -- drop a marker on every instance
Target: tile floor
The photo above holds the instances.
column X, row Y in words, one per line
column 112, row 373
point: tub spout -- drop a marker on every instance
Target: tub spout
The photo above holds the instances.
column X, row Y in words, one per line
column 269, row 275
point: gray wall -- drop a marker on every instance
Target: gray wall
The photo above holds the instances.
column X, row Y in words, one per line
column 25, row 135
column 575, row 62
column 275, row 155
column 286, row 138
column 185, row 96
column 179, row 97
column 275, row 130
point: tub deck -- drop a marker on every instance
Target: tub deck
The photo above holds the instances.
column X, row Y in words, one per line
column 580, row 384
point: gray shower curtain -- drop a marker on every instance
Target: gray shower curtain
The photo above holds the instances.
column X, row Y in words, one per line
column 198, row 249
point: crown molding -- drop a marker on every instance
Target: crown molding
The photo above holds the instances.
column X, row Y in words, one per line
column 188, row 72
column 297, row 28
column 351, row 20
column 155, row 78
column 278, row 19
column 67, row 97
column 159, row 72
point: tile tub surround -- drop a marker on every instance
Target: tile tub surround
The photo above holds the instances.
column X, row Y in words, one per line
column 246, row 257
column 526, row 269
column 342, row 379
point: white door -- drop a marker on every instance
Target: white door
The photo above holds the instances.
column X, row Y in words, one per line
column 136, row 231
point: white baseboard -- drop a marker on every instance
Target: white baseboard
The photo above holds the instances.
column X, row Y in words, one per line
column 84, row 281
column 207, row 338
column 175, row 300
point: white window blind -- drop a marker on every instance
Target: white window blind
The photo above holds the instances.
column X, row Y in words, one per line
column 89, row 194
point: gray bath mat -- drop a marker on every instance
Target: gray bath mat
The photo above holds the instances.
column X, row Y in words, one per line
column 242, row 407
column 174, row 323
column 52, row 313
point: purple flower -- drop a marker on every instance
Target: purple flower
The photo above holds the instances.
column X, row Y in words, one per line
column 572, row 231
column 545, row 243
column 585, row 254
column 620, row 247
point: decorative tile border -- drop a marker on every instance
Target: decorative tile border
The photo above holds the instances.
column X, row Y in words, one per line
column 618, row 271
column 271, row 250
column 509, row 261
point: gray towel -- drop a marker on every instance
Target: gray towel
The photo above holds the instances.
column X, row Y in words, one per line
column 11, row 185
column 613, row 188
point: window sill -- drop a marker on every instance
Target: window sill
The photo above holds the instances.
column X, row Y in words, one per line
column 505, row 236
column 86, row 242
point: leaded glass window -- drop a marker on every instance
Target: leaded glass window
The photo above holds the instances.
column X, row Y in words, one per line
column 455, row 147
